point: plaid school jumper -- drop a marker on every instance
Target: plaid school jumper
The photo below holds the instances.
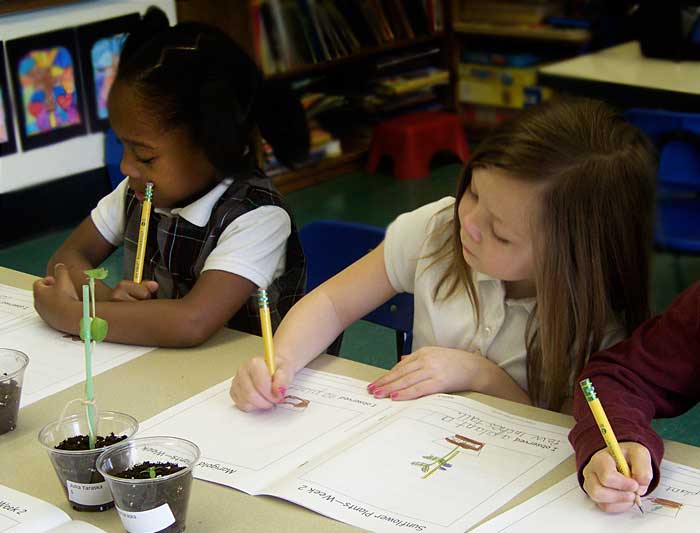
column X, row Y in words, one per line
column 176, row 249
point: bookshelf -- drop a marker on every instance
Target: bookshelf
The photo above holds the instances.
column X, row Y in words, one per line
column 532, row 32
column 497, row 46
column 337, row 62
column 360, row 55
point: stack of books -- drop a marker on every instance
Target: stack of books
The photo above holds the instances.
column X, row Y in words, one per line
column 290, row 33
column 411, row 90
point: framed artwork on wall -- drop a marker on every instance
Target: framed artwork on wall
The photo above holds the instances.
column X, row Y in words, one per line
column 100, row 44
column 45, row 77
column 7, row 127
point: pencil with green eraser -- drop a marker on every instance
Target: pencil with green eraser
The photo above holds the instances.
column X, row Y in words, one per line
column 266, row 327
column 606, row 430
column 143, row 233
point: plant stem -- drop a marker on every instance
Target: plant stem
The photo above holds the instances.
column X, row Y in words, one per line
column 89, row 394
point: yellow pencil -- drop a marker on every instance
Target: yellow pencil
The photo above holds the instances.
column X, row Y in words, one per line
column 607, row 431
column 266, row 326
column 143, row 233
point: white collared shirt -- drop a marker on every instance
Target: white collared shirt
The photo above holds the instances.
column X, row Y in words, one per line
column 253, row 245
column 451, row 322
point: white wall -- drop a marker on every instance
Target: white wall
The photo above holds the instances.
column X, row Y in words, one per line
column 79, row 154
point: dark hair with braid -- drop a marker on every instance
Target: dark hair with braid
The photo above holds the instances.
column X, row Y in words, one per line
column 196, row 77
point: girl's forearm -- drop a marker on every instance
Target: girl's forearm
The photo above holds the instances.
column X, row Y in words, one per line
column 166, row 323
column 307, row 330
column 495, row 381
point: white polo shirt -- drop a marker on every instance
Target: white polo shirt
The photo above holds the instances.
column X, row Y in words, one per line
column 451, row 323
column 253, row 245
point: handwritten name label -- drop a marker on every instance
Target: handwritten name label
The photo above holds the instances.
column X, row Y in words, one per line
column 147, row 521
column 89, row 493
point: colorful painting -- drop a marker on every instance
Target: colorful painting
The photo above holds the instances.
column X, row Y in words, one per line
column 7, row 129
column 46, row 78
column 4, row 136
column 105, row 60
column 100, row 45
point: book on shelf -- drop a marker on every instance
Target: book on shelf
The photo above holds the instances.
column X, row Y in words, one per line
column 412, row 80
column 22, row 512
column 292, row 33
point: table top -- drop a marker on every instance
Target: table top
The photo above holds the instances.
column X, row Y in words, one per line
column 624, row 64
column 162, row 378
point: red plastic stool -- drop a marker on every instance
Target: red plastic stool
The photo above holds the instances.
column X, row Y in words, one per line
column 412, row 140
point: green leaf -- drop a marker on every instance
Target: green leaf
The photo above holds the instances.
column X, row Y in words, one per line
column 97, row 273
column 83, row 328
column 98, row 329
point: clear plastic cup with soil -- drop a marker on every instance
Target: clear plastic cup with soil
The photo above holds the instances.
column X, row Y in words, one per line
column 67, row 442
column 12, row 366
column 151, row 480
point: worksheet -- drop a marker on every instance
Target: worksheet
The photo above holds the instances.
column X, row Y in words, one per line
column 673, row 507
column 437, row 464
column 56, row 359
column 22, row 513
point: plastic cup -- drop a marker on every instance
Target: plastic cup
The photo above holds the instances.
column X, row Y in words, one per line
column 12, row 366
column 83, row 485
column 156, row 504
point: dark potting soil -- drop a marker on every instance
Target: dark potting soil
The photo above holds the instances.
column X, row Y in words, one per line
column 9, row 405
column 82, row 442
column 143, row 497
column 143, row 470
column 81, row 468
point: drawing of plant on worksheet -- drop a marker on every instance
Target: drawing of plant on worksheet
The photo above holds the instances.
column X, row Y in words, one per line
column 432, row 463
column 661, row 506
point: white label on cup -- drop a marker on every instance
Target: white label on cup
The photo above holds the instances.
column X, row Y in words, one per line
column 147, row 521
column 89, row 493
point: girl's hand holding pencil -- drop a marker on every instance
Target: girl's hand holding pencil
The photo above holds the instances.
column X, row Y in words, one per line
column 262, row 383
column 612, row 491
column 252, row 388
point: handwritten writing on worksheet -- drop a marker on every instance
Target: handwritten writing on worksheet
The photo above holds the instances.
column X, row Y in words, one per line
column 437, row 464
column 674, row 506
column 56, row 360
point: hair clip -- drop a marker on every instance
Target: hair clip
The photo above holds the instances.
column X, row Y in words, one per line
column 184, row 48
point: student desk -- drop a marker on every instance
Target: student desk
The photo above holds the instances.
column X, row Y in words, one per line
column 624, row 77
column 157, row 380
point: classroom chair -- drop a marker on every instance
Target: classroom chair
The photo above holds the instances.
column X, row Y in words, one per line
column 413, row 139
column 677, row 138
column 113, row 157
column 330, row 246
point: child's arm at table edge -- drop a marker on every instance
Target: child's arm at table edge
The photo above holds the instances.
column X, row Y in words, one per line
column 84, row 249
column 320, row 316
column 652, row 374
column 176, row 323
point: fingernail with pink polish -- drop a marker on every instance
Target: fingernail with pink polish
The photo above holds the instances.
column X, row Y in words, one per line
column 371, row 387
column 282, row 391
column 394, row 395
column 377, row 392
